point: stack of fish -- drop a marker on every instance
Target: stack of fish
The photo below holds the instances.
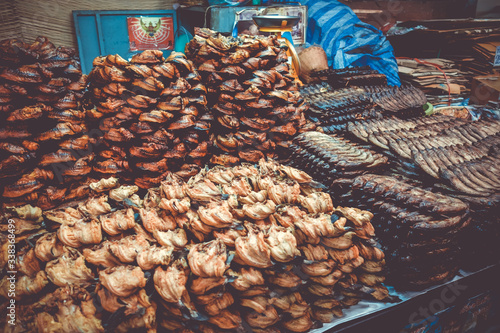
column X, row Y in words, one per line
column 333, row 110
column 43, row 130
column 253, row 96
column 453, row 155
column 327, row 158
column 232, row 248
column 343, row 262
column 403, row 102
column 382, row 132
column 349, row 77
column 152, row 115
column 461, row 154
column 420, row 229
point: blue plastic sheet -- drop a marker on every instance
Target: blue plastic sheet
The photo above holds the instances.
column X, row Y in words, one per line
column 227, row 2
column 347, row 40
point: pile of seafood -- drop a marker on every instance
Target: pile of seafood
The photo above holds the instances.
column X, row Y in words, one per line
column 250, row 247
column 349, row 77
column 461, row 154
column 421, row 230
column 152, row 115
column 43, row 131
column 255, row 102
column 333, row 110
column 327, row 158
column 404, row 102
column 455, row 156
column 383, row 132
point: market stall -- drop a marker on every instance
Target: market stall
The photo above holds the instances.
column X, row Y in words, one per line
column 228, row 189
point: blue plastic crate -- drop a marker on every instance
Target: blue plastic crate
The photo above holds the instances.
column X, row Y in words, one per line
column 105, row 32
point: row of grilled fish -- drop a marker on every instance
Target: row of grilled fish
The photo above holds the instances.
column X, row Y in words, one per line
column 451, row 155
column 444, row 153
column 462, row 154
column 255, row 246
column 331, row 157
column 402, row 101
column 334, row 110
column 348, row 77
column 421, row 229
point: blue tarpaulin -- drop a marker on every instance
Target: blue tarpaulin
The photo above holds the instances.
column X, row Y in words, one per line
column 347, row 40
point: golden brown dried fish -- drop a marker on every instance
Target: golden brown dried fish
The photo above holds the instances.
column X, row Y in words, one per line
column 122, row 281
column 208, row 259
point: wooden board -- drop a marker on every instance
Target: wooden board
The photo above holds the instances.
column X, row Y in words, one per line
column 9, row 21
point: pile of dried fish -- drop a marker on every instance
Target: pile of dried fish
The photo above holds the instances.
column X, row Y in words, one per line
column 342, row 267
column 43, row 130
column 349, row 77
column 334, row 110
column 232, row 248
column 152, row 115
column 254, row 99
column 404, row 102
column 461, row 154
column 420, row 229
column 327, row 158
column 380, row 132
column 451, row 155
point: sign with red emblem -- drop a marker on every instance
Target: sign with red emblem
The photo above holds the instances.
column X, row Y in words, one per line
column 150, row 33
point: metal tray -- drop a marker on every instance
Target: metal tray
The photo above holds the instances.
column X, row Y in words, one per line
column 371, row 316
column 275, row 21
